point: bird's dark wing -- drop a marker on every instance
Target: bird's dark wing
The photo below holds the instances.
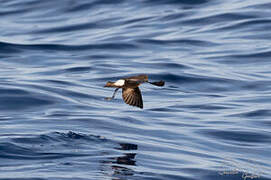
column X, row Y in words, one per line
column 132, row 96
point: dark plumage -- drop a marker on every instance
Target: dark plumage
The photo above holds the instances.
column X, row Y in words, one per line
column 130, row 92
column 132, row 96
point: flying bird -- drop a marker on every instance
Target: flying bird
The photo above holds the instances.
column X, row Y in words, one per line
column 131, row 93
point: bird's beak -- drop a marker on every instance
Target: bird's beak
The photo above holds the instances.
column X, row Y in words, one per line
column 109, row 84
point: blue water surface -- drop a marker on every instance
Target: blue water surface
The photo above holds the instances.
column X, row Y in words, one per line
column 211, row 121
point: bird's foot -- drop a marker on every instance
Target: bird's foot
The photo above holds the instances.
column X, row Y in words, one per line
column 108, row 98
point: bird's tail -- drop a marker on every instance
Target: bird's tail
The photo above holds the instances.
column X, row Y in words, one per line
column 157, row 83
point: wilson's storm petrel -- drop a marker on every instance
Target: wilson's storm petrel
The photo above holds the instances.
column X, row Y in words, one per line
column 130, row 92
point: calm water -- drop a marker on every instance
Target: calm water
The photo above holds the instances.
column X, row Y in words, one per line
column 211, row 121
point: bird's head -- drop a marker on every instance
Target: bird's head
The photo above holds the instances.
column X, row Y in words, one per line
column 109, row 84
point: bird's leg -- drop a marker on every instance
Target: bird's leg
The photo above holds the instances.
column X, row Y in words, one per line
column 115, row 92
column 113, row 96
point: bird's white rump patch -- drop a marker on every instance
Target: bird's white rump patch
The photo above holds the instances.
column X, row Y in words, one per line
column 119, row 82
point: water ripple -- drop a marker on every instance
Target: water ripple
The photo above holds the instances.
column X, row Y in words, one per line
column 210, row 118
column 16, row 99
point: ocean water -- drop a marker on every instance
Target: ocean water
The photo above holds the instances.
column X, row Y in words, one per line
column 211, row 120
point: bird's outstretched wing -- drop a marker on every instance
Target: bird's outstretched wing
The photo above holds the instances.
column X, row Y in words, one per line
column 140, row 78
column 132, row 96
